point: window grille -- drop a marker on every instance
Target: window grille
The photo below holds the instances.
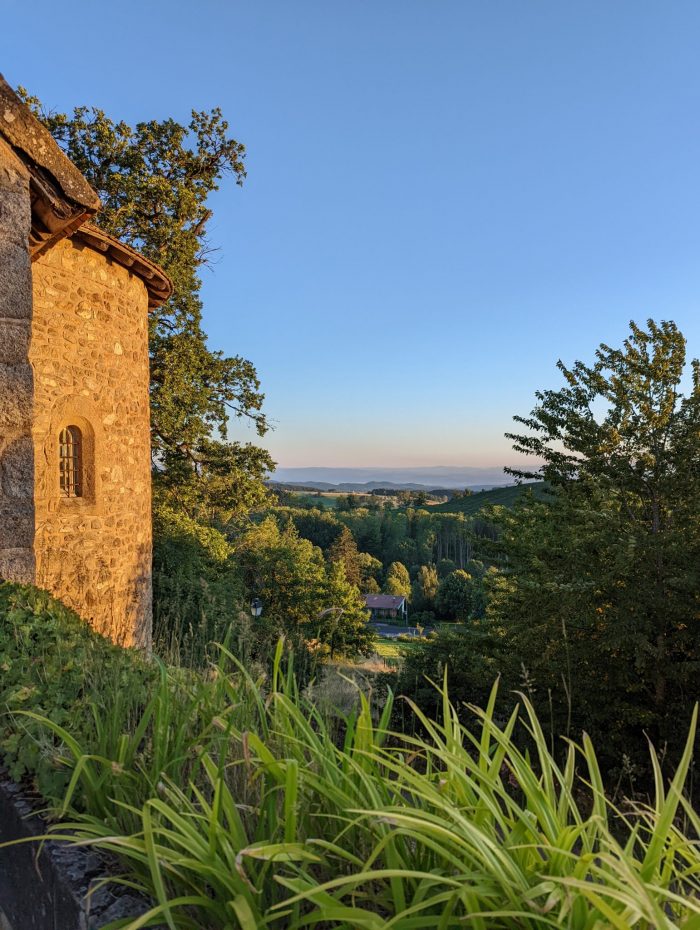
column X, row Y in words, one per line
column 71, row 462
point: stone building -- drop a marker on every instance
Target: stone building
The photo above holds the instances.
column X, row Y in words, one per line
column 75, row 465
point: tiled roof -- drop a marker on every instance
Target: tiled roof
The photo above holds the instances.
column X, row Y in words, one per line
column 384, row 601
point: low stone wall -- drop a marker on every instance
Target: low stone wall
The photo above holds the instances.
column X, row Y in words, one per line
column 48, row 888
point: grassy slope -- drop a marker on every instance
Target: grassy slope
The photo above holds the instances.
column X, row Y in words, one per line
column 505, row 497
column 306, row 499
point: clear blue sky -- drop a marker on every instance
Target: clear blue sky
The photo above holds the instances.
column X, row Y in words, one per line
column 444, row 196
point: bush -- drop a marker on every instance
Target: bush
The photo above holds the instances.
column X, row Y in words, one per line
column 197, row 590
column 422, row 618
column 54, row 665
column 469, row 653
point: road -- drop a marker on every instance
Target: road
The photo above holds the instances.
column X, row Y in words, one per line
column 392, row 630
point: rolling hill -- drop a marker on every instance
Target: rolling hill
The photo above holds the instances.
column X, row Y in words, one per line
column 505, row 497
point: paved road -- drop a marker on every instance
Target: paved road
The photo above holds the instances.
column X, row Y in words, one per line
column 391, row 630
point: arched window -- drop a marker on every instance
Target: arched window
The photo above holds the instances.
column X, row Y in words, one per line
column 70, row 443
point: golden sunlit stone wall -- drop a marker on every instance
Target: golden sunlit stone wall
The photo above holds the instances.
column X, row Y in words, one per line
column 89, row 354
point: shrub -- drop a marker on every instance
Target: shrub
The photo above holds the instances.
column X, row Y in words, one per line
column 65, row 689
column 55, row 665
column 470, row 654
column 197, row 590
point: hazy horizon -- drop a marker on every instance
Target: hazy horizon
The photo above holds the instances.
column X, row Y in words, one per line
column 447, row 476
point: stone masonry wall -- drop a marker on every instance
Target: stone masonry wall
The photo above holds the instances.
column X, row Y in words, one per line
column 16, row 455
column 89, row 352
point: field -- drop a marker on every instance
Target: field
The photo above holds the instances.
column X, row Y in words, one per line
column 504, row 497
column 395, row 649
column 322, row 499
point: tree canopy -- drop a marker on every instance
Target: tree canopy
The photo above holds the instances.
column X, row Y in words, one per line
column 602, row 597
column 593, row 592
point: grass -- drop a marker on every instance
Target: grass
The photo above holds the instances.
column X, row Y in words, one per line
column 388, row 648
column 270, row 813
column 396, row 649
column 504, row 497
column 322, row 501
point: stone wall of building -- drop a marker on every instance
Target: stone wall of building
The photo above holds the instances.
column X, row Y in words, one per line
column 89, row 353
column 16, row 387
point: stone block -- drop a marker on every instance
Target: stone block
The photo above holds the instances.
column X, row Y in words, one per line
column 16, row 281
column 16, row 395
column 15, row 211
column 17, row 469
column 17, row 565
column 14, row 341
column 10, row 164
column 16, row 524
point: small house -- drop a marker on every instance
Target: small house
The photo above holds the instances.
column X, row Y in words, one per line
column 386, row 607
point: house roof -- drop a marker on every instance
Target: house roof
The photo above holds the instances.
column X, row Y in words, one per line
column 37, row 147
column 61, row 198
column 384, row 601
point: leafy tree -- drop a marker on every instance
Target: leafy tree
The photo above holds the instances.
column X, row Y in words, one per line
column 342, row 627
column 445, row 567
column 398, row 581
column 455, row 596
column 197, row 589
column 154, row 181
column 602, row 594
column 318, row 526
column 425, row 588
column 406, row 551
column 370, row 573
column 347, row 502
column 300, row 592
column 369, row 535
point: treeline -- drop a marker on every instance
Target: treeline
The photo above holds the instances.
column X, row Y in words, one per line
column 410, row 552
column 412, row 536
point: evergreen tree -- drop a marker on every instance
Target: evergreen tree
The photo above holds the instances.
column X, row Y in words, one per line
column 342, row 626
column 344, row 551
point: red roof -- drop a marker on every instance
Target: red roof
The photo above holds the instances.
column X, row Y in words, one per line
column 384, row 601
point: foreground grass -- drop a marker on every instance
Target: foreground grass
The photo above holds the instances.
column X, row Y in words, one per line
column 236, row 802
column 291, row 822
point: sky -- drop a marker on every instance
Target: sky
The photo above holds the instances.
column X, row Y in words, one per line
column 443, row 196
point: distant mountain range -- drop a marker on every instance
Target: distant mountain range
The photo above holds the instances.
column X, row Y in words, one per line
column 368, row 486
column 412, row 479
